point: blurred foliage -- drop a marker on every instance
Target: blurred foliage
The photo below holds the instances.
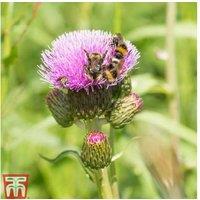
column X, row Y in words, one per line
column 28, row 128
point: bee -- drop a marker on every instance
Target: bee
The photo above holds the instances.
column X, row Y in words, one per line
column 94, row 66
column 112, row 70
column 110, row 75
column 117, row 38
column 121, row 50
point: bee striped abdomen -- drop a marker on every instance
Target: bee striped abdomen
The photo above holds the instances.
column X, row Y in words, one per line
column 110, row 75
column 121, row 50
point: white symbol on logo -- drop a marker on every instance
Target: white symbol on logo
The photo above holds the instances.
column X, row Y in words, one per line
column 15, row 186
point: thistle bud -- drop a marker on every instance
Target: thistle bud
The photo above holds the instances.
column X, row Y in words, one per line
column 123, row 89
column 58, row 103
column 96, row 151
column 88, row 106
column 126, row 86
column 124, row 110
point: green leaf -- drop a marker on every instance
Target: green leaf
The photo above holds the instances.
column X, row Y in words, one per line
column 171, row 126
column 9, row 60
column 7, row 103
column 66, row 153
column 62, row 155
column 182, row 30
column 116, row 156
column 131, row 141
column 147, row 83
column 133, row 158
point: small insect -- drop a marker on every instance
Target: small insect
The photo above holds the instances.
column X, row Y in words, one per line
column 62, row 80
column 110, row 75
column 112, row 71
column 121, row 49
column 94, row 66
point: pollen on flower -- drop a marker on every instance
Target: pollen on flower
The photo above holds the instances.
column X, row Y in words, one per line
column 95, row 137
column 64, row 64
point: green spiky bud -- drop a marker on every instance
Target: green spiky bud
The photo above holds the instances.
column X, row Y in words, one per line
column 126, row 86
column 124, row 109
column 59, row 105
column 96, row 151
column 123, row 88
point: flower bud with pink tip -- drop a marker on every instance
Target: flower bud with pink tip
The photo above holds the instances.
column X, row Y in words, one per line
column 96, row 151
column 124, row 110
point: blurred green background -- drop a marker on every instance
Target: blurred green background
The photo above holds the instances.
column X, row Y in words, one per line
column 29, row 129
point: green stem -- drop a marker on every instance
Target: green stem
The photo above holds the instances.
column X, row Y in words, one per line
column 114, row 183
column 117, row 19
column 7, row 29
column 171, row 76
column 85, row 15
column 171, row 72
column 105, row 184
column 98, row 182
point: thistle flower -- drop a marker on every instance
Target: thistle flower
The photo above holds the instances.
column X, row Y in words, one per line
column 96, row 151
column 64, row 62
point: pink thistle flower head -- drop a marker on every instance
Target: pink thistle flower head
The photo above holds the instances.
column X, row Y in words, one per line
column 64, row 63
column 96, row 137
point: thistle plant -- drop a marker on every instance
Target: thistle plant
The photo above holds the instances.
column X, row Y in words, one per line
column 89, row 73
